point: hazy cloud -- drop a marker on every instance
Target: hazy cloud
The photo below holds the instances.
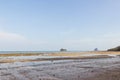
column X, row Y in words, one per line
column 14, row 41
column 9, row 41
column 6, row 36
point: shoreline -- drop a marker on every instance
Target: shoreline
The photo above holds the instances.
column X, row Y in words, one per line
column 35, row 57
column 61, row 53
column 53, row 59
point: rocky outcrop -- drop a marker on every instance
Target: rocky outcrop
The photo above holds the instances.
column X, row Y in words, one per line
column 115, row 49
column 96, row 49
column 63, row 49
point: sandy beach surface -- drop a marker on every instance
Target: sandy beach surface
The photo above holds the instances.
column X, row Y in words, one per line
column 61, row 66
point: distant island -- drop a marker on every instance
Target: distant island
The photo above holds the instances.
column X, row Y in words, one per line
column 63, row 49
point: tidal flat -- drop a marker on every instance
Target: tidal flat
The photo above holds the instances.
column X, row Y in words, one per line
column 98, row 65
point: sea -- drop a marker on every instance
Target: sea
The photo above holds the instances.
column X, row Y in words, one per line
column 25, row 52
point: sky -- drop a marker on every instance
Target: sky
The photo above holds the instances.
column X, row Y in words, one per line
column 48, row 25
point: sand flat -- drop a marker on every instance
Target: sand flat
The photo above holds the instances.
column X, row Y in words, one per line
column 29, row 57
column 73, row 68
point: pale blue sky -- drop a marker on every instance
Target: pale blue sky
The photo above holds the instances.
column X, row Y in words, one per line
column 54, row 24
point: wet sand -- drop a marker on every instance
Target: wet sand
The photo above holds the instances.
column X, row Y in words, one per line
column 56, row 56
column 112, row 74
column 68, row 68
column 68, row 54
column 53, row 59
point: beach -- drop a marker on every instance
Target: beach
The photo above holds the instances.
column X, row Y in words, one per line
column 96, row 65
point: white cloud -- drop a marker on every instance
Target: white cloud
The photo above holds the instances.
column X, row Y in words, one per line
column 11, row 41
column 14, row 41
column 102, row 42
column 6, row 36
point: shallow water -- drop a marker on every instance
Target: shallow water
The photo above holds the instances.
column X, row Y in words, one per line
column 25, row 52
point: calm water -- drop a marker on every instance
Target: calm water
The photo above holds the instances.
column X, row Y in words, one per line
column 25, row 52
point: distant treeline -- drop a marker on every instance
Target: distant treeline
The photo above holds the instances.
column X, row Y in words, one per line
column 115, row 49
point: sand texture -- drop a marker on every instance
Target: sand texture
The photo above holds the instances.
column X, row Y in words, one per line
column 65, row 68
